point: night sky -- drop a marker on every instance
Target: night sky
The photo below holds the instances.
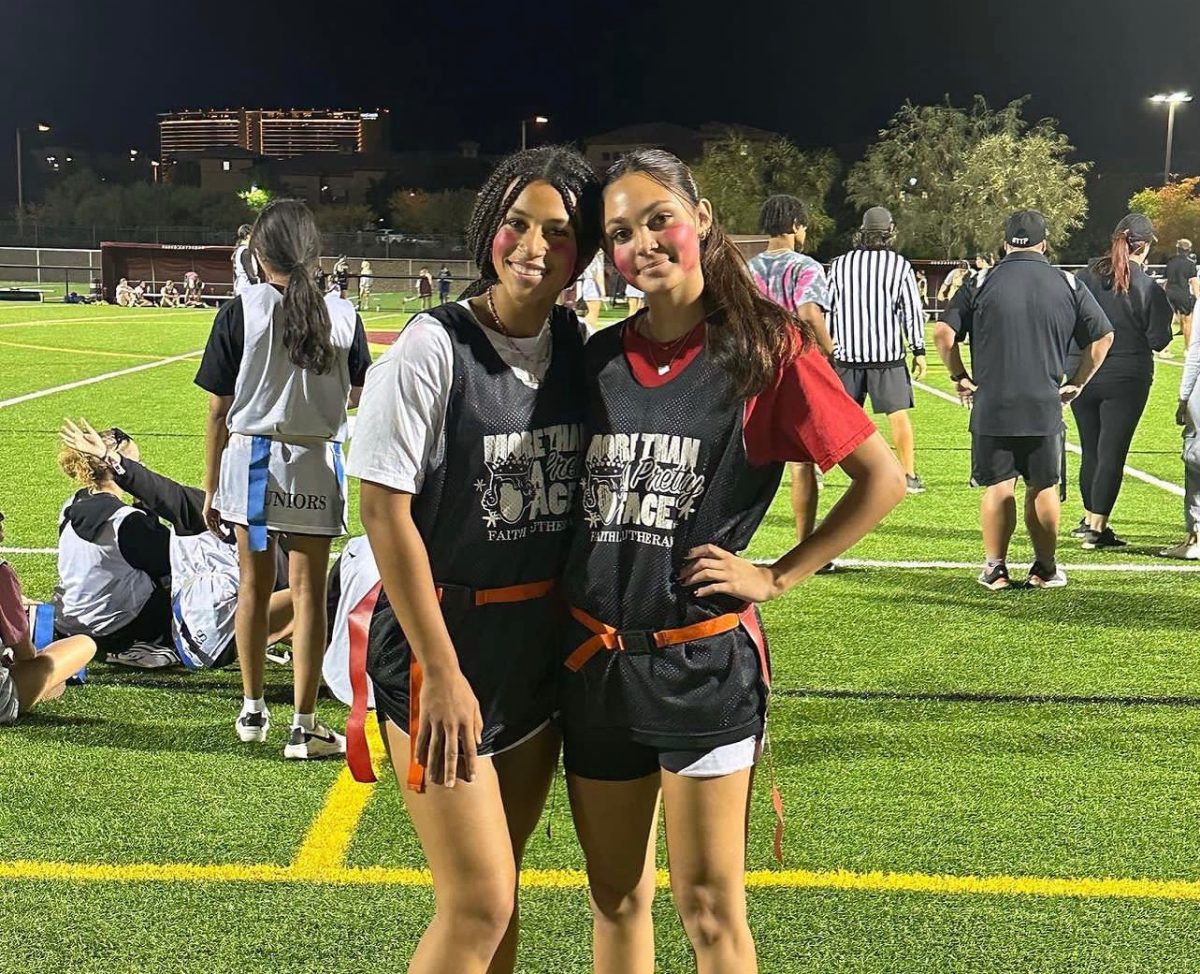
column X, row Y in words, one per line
column 823, row 74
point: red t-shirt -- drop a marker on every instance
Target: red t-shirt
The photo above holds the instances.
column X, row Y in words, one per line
column 14, row 621
column 804, row 416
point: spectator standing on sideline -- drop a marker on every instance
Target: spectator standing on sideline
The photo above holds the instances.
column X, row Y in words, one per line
column 798, row 283
column 1107, row 412
column 1187, row 415
column 443, row 280
column 1021, row 321
column 365, row 276
column 245, row 268
column 341, row 274
column 592, row 291
column 954, row 280
column 875, row 307
column 425, row 288
column 193, row 290
column 1180, row 273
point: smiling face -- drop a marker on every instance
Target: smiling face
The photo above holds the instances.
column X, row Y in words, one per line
column 652, row 234
column 534, row 251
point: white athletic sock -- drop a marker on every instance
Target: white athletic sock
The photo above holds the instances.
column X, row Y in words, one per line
column 253, row 705
column 307, row 722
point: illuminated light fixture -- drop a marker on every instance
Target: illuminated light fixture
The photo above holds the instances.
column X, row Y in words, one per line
column 1171, row 100
column 536, row 120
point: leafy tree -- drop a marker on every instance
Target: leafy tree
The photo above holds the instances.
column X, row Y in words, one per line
column 737, row 175
column 1174, row 208
column 343, row 218
column 256, row 197
column 950, row 176
column 417, row 211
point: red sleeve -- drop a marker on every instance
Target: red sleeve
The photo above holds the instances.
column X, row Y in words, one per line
column 14, row 622
column 805, row 417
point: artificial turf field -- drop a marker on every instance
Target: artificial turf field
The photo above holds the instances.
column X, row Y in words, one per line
column 973, row 781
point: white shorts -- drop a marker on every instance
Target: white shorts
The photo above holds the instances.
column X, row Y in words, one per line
column 202, row 619
column 271, row 485
column 589, row 290
column 714, row 763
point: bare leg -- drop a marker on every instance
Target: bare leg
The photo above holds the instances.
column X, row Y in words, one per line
column 706, row 843
column 1041, row 519
column 635, row 305
column 308, row 561
column 254, row 599
column 804, row 498
column 902, row 437
column 998, row 517
column 616, row 822
column 466, row 842
column 525, row 774
column 280, row 616
column 42, row 677
column 593, row 314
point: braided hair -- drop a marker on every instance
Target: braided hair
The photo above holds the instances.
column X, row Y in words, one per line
column 560, row 166
column 749, row 336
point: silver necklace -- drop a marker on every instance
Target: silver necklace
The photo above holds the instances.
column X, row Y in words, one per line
column 672, row 348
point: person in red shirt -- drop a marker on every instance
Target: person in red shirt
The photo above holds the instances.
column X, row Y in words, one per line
column 695, row 405
column 28, row 677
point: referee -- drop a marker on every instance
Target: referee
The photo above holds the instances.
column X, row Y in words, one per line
column 875, row 306
column 1022, row 318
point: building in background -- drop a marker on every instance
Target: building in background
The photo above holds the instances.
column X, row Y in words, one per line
column 271, row 133
column 688, row 144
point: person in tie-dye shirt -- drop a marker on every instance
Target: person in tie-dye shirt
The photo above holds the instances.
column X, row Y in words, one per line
column 798, row 283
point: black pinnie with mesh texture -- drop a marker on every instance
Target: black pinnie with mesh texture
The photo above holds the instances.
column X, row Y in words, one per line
column 496, row 513
column 665, row 471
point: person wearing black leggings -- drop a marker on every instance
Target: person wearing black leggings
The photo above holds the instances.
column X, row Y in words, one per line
column 1109, row 408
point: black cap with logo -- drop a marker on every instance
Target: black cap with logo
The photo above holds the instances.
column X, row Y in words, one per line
column 1025, row 228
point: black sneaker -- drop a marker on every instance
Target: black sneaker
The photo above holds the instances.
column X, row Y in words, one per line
column 1042, row 577
column 1099, row 540
column 994, row 577
column 827, row 569
column 1082, row 529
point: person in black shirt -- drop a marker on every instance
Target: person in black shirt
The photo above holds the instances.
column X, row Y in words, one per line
column 1181, row 276
column 1108, row 410
column 1021, row 317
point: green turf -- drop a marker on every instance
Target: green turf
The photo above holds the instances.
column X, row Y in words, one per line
column 921, row 725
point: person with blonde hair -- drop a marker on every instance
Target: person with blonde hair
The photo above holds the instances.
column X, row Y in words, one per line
column 365, row 277
column 112, row 560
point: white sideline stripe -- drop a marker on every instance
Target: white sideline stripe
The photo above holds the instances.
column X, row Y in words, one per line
column 1135, row 569
column 35, row 323
column 1133, row 472
column 28, row 551
column 96, row 378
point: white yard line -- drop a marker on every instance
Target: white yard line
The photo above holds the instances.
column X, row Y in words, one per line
column 1133, row 472
column 28, row 551
column 1128, row 568
column 16, row 400
column 34, row 322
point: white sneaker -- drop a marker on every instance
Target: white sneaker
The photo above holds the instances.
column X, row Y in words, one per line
column 1186, row 550
column 145, row 656
column 252, row 726
column 320, row 742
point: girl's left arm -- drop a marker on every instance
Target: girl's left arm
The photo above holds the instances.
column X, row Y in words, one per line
column 876, row 486
column 216, row 435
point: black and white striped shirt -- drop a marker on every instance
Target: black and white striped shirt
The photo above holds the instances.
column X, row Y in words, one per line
column 875, row 307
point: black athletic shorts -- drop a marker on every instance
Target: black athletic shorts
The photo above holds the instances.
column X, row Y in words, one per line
column 1182, row 299
column 890, row 388
column 609, row 758
column 1035, row 459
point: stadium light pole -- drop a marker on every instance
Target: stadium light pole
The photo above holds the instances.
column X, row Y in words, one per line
column 1170, row 100
column 536, row 120
column 41, row 127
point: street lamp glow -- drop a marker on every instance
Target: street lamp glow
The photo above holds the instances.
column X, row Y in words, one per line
column 1174, row 98
column 540, row 119
column 1170, row 100
column 43, row 127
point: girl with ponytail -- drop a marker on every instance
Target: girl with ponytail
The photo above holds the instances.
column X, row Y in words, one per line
column 1108, row 410
column 468, row 447
column 282, row 365
column 695, row 404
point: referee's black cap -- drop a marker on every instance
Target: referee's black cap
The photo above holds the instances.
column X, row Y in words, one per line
column 1025, row 228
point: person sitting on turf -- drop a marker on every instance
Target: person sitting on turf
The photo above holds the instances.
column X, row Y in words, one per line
column 112, row 562
column 139, row 296
column 124, row 294
column 193, row 290
column 204, row 568
column 28, row 677
column 170, row 296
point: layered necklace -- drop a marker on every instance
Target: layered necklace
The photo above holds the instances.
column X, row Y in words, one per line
column 527, row 360
column 673, row 349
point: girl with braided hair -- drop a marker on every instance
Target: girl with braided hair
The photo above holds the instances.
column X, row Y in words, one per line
column 468, row 448
column 694, row 406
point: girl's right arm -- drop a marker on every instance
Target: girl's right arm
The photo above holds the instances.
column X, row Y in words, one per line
column 450, row 718
column 216, row 436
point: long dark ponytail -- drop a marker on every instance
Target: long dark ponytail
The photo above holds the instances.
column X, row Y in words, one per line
column 749, row 335
column 1133, row 232
column 286, row 238
column 560, row 166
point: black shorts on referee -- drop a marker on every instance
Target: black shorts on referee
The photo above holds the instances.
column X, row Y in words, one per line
column 1035, row 459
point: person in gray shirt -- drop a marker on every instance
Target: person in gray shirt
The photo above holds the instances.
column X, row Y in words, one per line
column 1022, row 317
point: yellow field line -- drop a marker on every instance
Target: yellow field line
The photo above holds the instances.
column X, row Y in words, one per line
column 840, row 879
column 78, row 351
column 324, row 847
